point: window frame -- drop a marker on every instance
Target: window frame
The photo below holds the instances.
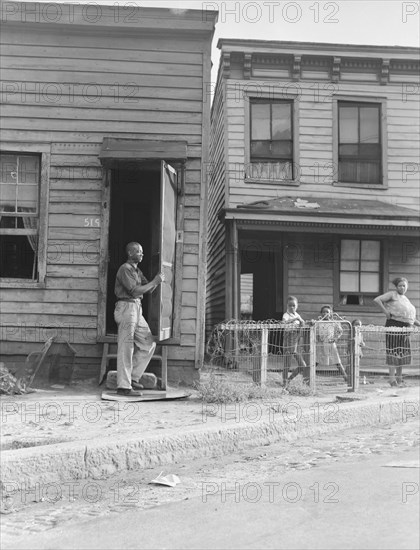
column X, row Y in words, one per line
column 358, row 101
column 270, row 97
column 44, row 151
column 383, row 273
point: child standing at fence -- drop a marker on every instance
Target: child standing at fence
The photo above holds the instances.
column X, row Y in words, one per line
column 293, row 324
column 329, row 331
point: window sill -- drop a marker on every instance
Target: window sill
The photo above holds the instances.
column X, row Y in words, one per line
column 251, row 181
column 21, row 283
column 360, row 185
column 356, row 309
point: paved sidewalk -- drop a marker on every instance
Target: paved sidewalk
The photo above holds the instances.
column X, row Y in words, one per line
column 58, row 435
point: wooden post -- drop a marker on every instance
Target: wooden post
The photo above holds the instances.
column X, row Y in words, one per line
column 312, row 357
column 264, row 356
column 164, row 367
column 356, row 360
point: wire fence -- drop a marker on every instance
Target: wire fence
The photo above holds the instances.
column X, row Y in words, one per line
column 327, row 353
column 379, row 349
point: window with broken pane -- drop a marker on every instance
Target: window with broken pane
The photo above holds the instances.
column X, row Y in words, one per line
column 19, row 215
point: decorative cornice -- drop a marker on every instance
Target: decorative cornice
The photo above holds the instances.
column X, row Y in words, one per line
column 226, row 65
column 385, row 71
column 270, row 59
column 335, row 72
column 247, row 66
column 297, row 62
column 360, row 64
column 339, row 67
column 309, row 61
column 406, row 66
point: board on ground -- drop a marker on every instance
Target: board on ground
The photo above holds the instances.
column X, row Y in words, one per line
column 147, row 395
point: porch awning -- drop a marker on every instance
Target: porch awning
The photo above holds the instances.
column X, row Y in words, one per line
column 114, row 150
column 323, row 214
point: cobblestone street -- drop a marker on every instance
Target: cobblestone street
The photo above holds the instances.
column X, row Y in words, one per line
column 47, row 507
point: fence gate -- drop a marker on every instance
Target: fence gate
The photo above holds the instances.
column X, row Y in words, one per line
column 265, row 352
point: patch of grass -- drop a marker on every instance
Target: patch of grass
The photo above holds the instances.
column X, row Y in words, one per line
column 298, row 387
column 216, row 389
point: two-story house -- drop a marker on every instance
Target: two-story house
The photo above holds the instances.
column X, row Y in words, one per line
column 314, row 178
column 105, row 128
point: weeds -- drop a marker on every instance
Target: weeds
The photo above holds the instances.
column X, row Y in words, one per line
column 298, row 387
column 216, row 389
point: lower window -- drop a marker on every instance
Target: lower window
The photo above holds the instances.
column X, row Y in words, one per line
column 360, row 271
column 20, row 176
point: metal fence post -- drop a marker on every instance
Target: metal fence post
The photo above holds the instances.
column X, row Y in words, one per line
column 312, row 358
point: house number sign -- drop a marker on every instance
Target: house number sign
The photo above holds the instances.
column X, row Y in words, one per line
column 92, row 222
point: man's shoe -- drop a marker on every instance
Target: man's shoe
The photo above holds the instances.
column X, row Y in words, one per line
column 137, row 385
column 128, row 392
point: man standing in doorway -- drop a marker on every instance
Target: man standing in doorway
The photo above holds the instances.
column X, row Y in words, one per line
column 135, row 340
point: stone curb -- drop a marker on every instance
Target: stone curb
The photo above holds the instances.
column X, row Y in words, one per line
column 100, row 458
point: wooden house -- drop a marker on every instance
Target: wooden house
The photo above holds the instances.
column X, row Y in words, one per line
column 313, row 178
column 105, row 128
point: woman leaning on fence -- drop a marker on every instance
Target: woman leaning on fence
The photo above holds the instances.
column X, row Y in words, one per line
column 400, row 313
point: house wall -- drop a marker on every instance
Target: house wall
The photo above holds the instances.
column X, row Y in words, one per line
column 72, row 86
column 315, row 136
column 244, row 72
column 309, row 273
column 215, row 307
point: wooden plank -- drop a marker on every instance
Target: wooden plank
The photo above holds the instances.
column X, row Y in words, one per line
column 53, row 320
column 102, row 126
column 100, row 53
column 29, row 332
column 74, row 187
column 101, row 66
column 12, row 347
column 60, row 233
column 85, row 209
column 124, row 96
column 87, row 84
column 92, row 136
column 87, row 113
column 92, row 42
column 48, row 296
column 90, row 272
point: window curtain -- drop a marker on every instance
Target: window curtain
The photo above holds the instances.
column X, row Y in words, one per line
column 30, row 222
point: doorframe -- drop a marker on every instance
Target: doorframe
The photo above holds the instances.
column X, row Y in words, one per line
column 102, row 335
column 104, row 255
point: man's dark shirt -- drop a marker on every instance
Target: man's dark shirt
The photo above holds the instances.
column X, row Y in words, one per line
column 128, row 277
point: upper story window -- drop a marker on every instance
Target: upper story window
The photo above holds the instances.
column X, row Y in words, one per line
column 271, row 139
column 360, row 271
column 359, row 143
column 20, row 178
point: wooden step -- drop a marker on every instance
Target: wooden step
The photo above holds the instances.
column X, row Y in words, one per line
column 107, row 355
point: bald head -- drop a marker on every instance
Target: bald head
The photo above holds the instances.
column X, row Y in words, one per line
column 134, row 252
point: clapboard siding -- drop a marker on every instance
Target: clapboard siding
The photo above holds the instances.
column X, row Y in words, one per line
column 241, row 77
column 215, row 307
column 72, row 87
column 312, row 282
column 315, row 161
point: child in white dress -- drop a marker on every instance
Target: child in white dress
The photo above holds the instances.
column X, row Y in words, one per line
column 327, row 335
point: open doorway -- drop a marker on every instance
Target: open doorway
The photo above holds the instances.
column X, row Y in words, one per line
column 134, row 216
